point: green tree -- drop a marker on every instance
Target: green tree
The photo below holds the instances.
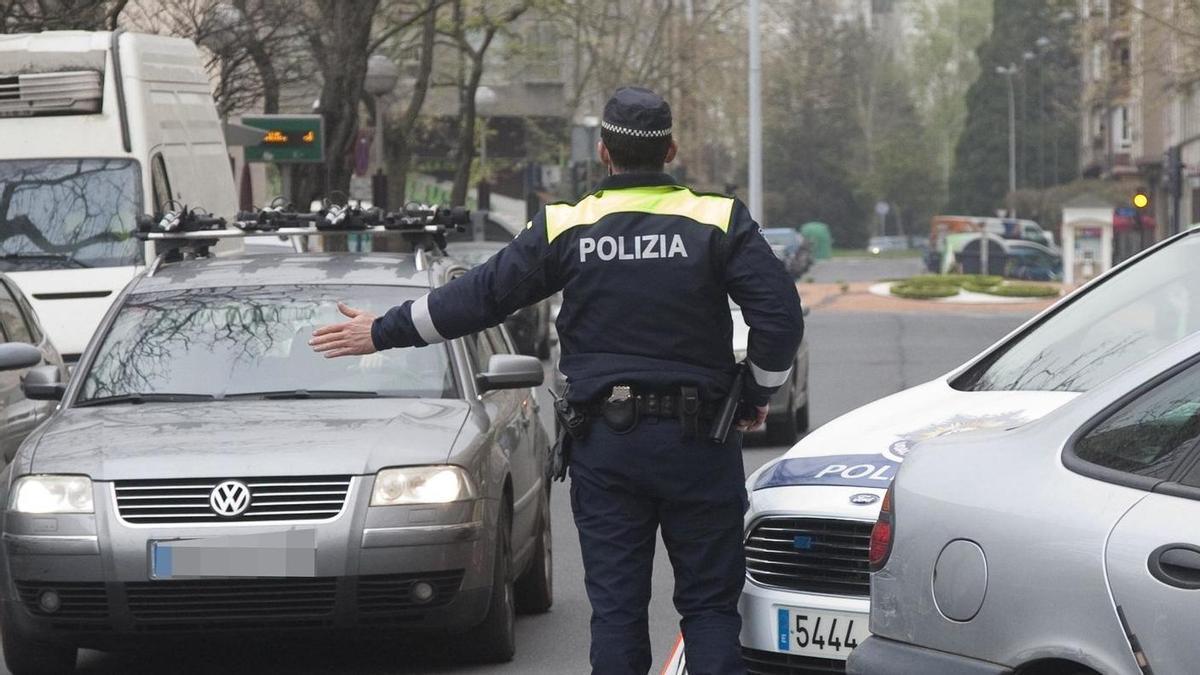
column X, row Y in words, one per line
column 1046, row 92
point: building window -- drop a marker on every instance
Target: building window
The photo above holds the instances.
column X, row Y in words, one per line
column 1122, row 128
column 1097, row 62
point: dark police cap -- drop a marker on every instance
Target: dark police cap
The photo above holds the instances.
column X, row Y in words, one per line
column 637, row 112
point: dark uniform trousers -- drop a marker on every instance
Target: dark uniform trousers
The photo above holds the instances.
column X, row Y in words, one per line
column 624, row 487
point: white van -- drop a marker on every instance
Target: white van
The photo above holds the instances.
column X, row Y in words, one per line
column 95, row 130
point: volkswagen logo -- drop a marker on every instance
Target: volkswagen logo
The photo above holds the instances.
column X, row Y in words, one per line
column 230, row 498
column 864, row 498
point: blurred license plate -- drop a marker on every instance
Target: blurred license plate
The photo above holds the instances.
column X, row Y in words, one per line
column 829, row 635
column 267, row 554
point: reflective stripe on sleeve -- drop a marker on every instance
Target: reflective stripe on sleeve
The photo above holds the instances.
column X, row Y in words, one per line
column 769, row 378
column 424, row 322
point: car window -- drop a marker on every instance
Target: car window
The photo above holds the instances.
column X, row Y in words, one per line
column 1149, row 435
column 11, row 319
column 479, row 347
column 499, row 344
column 1148, row 306
column 235, row 341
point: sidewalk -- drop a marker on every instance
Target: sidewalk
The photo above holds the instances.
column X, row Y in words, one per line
column 858, row 298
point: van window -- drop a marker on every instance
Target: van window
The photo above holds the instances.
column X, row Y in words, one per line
column 160, row 184
column 1136, row 312
column 69, row 213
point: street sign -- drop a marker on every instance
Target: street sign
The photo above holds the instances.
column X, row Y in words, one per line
column 287, row 138
column 1125, row 211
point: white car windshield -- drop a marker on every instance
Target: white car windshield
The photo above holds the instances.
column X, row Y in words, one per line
column 252, row 342
column 69, row 213
column 1152, row 304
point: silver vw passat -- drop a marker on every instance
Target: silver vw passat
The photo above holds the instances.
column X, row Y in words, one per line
column 207, row 472
column 1070, row 545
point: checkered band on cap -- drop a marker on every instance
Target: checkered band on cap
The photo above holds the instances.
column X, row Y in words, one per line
column 639, row 133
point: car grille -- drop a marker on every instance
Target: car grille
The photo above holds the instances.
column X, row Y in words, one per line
column 773, row 663
column 217, row 604
column 185, row 500
column 80, row 602
column 391, row 594
column 811, row 555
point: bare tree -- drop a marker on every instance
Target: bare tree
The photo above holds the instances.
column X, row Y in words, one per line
column 472, row 30
column 31, row 16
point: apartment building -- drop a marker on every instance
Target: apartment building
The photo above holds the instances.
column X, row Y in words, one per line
column 1141, row 102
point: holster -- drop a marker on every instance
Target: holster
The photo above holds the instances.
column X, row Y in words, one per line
column 689, row 411
column 575, row 427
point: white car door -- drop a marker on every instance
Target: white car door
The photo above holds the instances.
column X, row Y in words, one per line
column 1153, row 553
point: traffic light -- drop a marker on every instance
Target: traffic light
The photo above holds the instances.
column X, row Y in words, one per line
column 1141, row 199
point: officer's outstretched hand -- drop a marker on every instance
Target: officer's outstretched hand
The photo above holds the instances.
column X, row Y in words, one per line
column 345, row 339
column 760, row 418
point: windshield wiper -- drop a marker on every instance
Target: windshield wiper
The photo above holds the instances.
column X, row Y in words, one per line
column 136, row 398
column 283, row 394
column 45, row 256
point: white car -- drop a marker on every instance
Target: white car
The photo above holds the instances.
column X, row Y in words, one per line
column 806, row 601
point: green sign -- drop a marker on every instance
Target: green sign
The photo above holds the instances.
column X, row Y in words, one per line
column 287, row 138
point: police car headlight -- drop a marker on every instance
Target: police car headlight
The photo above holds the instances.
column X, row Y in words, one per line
column 51, row 494
column 422, row 485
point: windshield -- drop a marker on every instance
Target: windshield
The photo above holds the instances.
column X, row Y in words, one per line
column 251, row 341
column 1144, row 308
column 66, row 213
column 780, row 237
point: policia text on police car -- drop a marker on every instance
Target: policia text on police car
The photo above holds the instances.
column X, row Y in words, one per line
column 647, row 268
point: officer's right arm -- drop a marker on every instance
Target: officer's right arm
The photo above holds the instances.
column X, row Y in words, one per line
column 519, row 275
column 758, row 282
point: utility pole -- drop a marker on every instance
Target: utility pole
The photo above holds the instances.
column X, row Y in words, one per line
column 756, row 168
column 1009, row 73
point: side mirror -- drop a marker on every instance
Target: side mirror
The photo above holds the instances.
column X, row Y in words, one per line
column 19, row 356
column 510, row 371
column 44, row 383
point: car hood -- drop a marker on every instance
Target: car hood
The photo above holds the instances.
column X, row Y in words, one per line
column 865, row 447
column 248, row 438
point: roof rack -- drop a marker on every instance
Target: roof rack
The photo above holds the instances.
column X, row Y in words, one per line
column 190, row 233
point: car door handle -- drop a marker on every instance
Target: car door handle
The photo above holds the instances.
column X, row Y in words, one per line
column 1176, row 565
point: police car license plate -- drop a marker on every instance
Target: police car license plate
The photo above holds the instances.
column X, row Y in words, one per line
column 267, row 554
column 829, row 635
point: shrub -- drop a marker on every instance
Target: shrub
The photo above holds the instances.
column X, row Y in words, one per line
column 923, row 291
column 1024, row 291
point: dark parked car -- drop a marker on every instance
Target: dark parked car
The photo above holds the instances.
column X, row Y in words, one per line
column 790, row 247
column 208, row 473
column 23, row 345
column 530, row 326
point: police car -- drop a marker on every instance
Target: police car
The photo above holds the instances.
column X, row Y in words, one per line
column 207, row 473
column 809, row 527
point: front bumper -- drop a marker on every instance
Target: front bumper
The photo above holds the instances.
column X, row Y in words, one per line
column 367, row 561
column 880, row 656
column 760, row 605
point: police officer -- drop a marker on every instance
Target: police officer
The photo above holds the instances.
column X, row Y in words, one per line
column 647, row 268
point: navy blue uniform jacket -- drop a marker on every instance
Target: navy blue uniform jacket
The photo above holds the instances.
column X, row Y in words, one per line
column 647, row 269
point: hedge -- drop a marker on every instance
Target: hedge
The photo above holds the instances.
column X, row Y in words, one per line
column 923, row 291
column 1025, row 291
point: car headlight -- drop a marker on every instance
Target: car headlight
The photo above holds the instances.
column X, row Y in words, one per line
column 421, row 485
column 51, row 494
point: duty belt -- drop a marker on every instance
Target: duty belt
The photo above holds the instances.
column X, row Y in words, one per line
column 652, row 404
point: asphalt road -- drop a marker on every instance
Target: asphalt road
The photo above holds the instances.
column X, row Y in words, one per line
column 855, row 358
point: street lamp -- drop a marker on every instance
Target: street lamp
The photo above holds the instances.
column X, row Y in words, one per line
column 381, row 78
column 1009, row 72
column 485, row 104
